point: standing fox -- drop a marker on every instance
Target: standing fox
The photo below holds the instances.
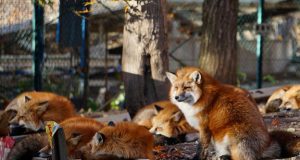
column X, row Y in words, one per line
column 221, row 115
column 36, row 110
column 124, row 140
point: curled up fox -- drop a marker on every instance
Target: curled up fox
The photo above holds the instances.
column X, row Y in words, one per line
column 223, row 117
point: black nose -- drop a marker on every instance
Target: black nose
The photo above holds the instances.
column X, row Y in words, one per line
column 288, row 109
column 176, row 97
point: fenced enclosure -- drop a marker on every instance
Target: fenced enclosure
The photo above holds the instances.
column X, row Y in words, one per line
column 66, row 51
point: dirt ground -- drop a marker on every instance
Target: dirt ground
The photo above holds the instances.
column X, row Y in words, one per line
column 289, row 121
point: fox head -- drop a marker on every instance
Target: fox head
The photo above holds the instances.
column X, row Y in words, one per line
column 30, row 114
column 185, row 88
column 291, row 99
column 168, row 123
column 18, row 102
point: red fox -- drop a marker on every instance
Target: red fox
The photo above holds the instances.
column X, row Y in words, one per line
column 221, row 115
column 275, row 99
column 291, row 99
column 78, row 131
column 170, row 122
column 123, row 140
column 35, row 112
column 145, row 114
column 24, row 97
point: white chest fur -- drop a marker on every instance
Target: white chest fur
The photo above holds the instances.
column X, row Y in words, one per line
column 190, row 113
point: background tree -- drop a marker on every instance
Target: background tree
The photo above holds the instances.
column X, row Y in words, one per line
column 218, row 41
column 144, row 59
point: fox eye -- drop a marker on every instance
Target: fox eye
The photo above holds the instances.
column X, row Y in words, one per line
column 186, row 87
column 176, row 87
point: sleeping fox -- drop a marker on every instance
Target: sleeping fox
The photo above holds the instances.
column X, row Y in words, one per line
column 275, row 100
column 291, row 99
column 123, row 140
column 144, row 116
column 170, row 122
column 25, row 97
column 35, row 112
column 78, row 132
column 223, row 116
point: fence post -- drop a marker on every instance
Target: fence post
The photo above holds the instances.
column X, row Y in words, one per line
column 37, row 44
column 259, row 45
column 84, row 60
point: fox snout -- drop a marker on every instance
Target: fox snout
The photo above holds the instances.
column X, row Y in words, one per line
column 180, row 98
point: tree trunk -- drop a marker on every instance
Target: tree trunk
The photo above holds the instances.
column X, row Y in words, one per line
column 218, row 41
column 145, row 58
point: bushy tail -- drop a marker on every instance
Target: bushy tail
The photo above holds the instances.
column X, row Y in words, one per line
column 289, row 143
column 28, row 147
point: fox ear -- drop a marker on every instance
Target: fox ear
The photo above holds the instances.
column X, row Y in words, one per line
column 157, row 108
column 42, row 107
column 75, row 138
column 171, row 76
column 99, row 138
column 27, row 99
column 177, row 116
column 196, row 76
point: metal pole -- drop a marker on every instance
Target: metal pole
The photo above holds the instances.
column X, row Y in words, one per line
column 259, row 45
column 38, row 44
column 84, row 60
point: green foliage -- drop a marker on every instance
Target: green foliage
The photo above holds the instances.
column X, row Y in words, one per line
column 241, row 76
column 270, row 79
column 45, row 2
column 117, row 102
column 92, row 104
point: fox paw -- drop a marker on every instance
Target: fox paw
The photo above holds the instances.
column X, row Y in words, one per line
column 224, row 157
column 204, row 154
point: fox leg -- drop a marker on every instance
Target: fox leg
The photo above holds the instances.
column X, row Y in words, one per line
column 222, row 149
column 242, row 151
column 205, row 139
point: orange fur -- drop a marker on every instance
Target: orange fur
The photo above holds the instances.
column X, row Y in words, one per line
column 37, row 110
column 145, row 114
column 19, row 101
column 275, row 100
column 124, row 140
column 78, row 132
column 230, row 119
column 170, row 122
column 291, row 98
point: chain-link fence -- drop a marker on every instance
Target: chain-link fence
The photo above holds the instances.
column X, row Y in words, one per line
column 61, row 67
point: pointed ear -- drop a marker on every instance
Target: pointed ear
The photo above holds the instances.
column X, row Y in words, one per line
column 177, row 116
column 99, row 138
column 172, row 77
column 111, row 123
column 75, row 138
column 27, row 99
column 157, row 108
column 42, row 107
column 196, row 76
